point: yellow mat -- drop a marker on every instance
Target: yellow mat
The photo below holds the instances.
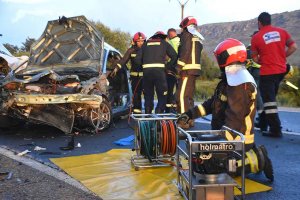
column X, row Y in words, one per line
column 111, row 176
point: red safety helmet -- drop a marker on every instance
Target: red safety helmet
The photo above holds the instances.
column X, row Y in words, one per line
column 160, row 34
column 230, row 51
column 139, row 36
column 188, row 21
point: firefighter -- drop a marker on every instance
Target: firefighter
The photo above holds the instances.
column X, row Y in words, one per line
column 233, row 104
column 174, row 41
column 136, row 71
column 153, row 57
column 188, row 64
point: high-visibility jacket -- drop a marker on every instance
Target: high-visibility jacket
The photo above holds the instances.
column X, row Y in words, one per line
column 189, row 53
column 136, row 69
column 175, row 42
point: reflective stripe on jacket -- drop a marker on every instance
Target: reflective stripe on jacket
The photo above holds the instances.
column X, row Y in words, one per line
column 189, row 53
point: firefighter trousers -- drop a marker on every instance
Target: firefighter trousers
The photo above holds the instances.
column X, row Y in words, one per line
column 155, row 78
column 185, row 93
column 137, row 88
column 171, row 101
column 269, row 85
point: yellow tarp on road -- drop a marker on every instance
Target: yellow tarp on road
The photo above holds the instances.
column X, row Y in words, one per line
column 110, row 175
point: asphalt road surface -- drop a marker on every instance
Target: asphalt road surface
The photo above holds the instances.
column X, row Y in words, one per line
column 284, row 152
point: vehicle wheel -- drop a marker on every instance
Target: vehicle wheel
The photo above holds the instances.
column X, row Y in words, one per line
column 8, row 122
column 101, row 117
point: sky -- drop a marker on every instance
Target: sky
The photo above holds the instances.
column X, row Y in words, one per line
column 20, row 19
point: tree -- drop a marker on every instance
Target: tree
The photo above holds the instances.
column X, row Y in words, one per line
column 209, row 70
column 11, row 48
column 27, row 44
column 118, row 39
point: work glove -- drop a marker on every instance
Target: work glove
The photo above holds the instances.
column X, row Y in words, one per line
column 114, row 72
column 185, row 117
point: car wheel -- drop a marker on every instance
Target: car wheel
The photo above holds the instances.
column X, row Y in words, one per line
column 8, row 122
column 101, row 117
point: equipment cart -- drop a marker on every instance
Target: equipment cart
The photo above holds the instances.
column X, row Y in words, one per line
column 212, row 160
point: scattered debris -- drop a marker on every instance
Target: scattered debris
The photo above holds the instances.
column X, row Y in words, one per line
column 2, row 175
column 23, row 152
column 70, row 145
column 37, row 148
column 9, row 176
column 78, row 145
column 49, row 153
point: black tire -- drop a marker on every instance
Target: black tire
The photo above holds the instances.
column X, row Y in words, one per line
column 101, row 118
column 9, row 122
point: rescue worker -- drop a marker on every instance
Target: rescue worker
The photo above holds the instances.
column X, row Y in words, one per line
column 270, row 47
column 174, row 41
column 136, row 70
column 233, row 104
column 188, row 64
column 153, row 57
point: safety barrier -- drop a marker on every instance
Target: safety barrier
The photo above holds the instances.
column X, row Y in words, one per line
column 155, row 140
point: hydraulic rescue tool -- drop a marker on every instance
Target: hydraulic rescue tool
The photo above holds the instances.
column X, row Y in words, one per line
column 212, row 161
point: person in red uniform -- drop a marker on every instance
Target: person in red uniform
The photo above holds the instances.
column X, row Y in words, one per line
column 153, row 58
column 268, row 48
column 188, row 64
column 136, row 71
column 233, row 104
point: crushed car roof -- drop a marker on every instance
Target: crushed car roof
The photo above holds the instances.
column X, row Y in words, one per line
column 68, row 41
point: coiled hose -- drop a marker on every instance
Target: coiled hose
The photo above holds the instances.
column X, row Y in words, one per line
column 148, row 136
column 148, row 133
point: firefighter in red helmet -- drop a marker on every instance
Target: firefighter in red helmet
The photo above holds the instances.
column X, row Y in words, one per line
column 233, row 104
column 136, row 71
column 188, row 64
column 153, row 59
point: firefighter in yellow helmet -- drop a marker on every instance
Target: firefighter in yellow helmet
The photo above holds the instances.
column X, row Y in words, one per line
column 233, row 104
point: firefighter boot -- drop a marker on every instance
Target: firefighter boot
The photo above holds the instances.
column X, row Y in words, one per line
column 264, row 162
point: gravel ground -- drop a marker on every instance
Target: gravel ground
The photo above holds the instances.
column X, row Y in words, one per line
column 28, row 183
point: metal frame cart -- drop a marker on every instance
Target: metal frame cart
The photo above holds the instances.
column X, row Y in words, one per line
column 209, row 186
column 155, row 140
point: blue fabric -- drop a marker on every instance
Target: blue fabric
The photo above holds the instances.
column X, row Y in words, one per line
column 125, row 141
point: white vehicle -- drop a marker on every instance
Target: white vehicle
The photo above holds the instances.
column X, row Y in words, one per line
column 65, row 83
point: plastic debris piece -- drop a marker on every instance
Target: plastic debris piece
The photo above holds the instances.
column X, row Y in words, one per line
column 23, row 152
column 78, row 145
column 125, row 141
column 9, row 176
column 37, row 148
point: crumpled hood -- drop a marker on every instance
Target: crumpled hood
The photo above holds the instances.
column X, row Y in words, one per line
column 67, row 42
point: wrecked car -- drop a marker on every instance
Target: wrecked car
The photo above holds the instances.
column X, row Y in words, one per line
column 65, row 83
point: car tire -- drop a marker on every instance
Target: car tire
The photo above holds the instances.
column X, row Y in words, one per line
column 8, row 122
column 101, row 118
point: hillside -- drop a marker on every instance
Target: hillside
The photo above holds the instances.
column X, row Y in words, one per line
column 241, row 30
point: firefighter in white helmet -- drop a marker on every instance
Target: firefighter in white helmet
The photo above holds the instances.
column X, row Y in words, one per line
column 233, row 104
